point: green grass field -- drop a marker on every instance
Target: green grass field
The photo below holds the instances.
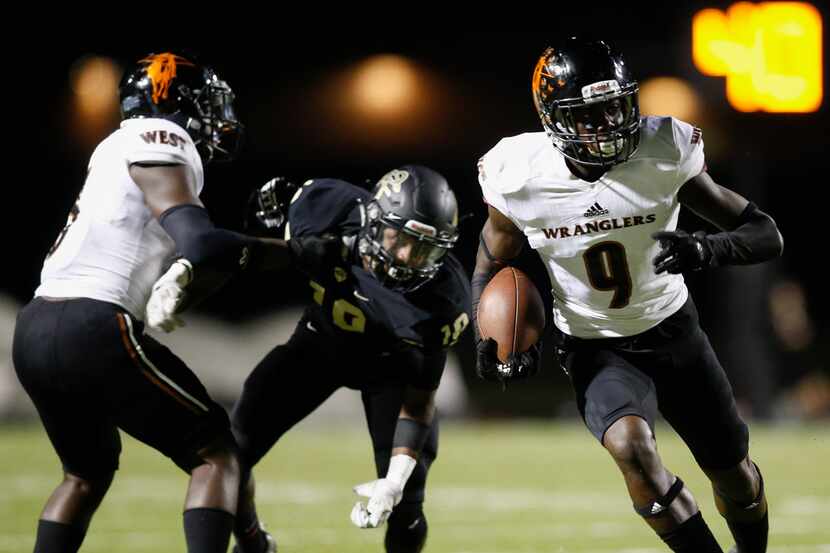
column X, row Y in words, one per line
column 507, row 487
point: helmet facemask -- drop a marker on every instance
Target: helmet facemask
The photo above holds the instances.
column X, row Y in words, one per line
column 218, row 132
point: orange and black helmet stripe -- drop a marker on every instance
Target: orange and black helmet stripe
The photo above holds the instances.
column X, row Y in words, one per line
column 161, row 70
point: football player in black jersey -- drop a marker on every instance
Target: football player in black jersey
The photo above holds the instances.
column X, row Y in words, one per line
column 388, row 301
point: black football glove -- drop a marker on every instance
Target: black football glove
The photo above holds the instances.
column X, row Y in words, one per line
column 681, row 251
column 315, row 255
column 518, row 366
column 268, row 204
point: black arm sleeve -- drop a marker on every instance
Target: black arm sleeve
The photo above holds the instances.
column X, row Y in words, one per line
column 201, row 243
column 754, row 240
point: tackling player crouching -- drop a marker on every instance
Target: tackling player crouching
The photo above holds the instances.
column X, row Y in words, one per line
column 388, row 301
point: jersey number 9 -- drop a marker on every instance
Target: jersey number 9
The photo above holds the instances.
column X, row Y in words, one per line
column 607, row 269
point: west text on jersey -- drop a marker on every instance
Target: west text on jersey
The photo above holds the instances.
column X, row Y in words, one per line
column 164, row 137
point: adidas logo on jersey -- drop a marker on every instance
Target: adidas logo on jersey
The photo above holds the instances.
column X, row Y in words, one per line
column 595, row 211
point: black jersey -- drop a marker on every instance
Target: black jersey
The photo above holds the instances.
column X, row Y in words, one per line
column 351, row 304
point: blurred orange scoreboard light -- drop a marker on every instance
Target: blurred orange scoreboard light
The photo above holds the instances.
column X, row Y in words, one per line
column 769, row 52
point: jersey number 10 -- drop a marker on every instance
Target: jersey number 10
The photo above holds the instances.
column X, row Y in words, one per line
column 345, row 315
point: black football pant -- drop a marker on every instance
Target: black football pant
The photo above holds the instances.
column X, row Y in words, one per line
column 670, row 368
column 90, row 370
column 297, row 377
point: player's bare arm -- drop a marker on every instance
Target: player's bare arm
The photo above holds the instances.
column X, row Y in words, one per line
column 718, row 205
column 500, row 242
column 164, row 185
column 748, row 234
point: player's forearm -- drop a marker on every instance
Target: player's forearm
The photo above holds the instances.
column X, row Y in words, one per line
column 203, row 244
column 486, row 264
column 418, row 405
column 215, row 254
column 483, row 272
column 756, row 239
column 495, row 251
column 271, row 254
column 414, row 422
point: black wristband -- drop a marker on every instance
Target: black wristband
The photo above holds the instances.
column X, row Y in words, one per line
column 411, row 434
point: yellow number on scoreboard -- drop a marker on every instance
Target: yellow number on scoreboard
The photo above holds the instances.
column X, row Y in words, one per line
column 769, row 52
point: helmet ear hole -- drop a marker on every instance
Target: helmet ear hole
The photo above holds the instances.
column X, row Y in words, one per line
column 373, row 211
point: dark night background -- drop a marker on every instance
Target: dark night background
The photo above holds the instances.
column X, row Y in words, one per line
column 286, row 87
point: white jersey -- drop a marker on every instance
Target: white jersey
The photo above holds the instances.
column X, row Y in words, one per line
column 595, row 238
column 112, row 248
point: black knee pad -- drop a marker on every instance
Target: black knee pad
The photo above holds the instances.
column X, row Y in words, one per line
column 406, row 530
column 759, row 497
column 661, row 504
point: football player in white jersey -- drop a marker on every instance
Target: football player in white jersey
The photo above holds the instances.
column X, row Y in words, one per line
column 79, row 347
column 600, row 206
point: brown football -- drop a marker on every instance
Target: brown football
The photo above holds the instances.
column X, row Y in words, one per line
column 511, row 312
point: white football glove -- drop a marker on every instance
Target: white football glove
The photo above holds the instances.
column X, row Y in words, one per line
column 167, row 295
column 384, row 493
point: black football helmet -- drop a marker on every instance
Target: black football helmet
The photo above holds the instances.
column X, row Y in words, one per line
column 173, row 87
column 588, row 102
column 410, row 225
